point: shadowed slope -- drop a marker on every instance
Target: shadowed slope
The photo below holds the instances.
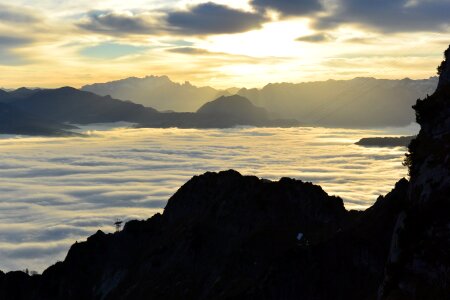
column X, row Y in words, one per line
column 223, row 236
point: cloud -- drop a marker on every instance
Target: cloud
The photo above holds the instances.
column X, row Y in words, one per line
column 8, row 49
column 390, row 15
column 51, row 198
column 201, row 19
column 113, row 23
column 111, row 50
column 15, row 14
column 315, row 38
column 189, row 50
column 290, row 7
column 211, row 18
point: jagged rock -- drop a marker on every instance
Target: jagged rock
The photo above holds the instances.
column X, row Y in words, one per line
column 223, row 236
column 419, row 263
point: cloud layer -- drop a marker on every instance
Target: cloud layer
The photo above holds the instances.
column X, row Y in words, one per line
column 211, row 18
column 56, row 191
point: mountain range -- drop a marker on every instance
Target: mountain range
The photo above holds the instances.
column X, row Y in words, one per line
column 360, row 102
column 47, row 111
column 158, row 92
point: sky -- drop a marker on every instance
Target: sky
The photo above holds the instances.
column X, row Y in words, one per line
column 235, row 43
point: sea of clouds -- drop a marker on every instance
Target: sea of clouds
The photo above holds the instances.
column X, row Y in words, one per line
column 55, row 191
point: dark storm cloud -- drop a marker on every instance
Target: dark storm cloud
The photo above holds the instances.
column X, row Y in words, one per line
column 390, row 15
column 211, row 18
column 315, row 38
column 289, row 7
column 108, row 22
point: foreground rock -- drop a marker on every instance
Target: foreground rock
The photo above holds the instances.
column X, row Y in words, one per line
column 419, row 263
column 226, row 236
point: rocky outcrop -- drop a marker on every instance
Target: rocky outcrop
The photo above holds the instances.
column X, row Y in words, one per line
column 419, row 263
column 228, row 236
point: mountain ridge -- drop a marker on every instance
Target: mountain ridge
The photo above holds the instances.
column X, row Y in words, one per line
column 359, row 102
column 69, row 105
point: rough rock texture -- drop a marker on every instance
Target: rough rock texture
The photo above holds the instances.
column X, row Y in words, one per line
column 228, row 236
column 419, row 263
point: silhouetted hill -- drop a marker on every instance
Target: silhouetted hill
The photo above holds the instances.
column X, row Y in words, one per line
column 3, row 95
column 69, row 105
column 10, row 96
column 236, row 107
column 228, row 236
column 402, row 141
column 158, row 92
column 74, row 106
column 224, row 112
column 15, row 121
column 22, row 92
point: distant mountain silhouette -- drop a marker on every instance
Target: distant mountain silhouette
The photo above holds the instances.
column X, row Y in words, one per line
column 158, row 92
column 224, row 112
column 357, row 103
column 402, row 141
column 3, row 95
column 74, row 106
column 235, row 109
column 360, row 102
column 15, row 121
column 9, row 96
column 69, row 105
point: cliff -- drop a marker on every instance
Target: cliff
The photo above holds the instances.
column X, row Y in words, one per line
column 419, row 263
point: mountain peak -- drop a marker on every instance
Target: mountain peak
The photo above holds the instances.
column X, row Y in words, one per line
column 228, row 105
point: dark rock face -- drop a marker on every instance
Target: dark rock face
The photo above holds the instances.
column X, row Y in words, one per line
column 228, row 236
column 419, row 263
